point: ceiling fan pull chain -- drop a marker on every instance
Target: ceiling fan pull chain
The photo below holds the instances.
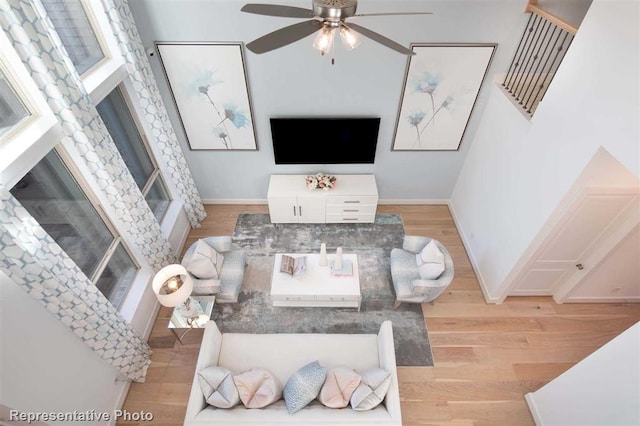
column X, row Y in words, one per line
column 333, row 61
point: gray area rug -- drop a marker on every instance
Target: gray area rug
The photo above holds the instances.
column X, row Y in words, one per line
column 372, row 242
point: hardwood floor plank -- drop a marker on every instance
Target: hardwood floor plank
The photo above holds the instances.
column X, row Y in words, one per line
column 481, row 324
column 486, row 356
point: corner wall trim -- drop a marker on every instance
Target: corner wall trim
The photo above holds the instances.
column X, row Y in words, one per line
column 474, row 264
column 234, row 201
column 428, row 201
column 531, row 403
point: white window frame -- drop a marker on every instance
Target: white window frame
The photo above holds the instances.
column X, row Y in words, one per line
column 37, row 133
column 85, row 179
column 117, row 238
column 112, row 65
column 128, row 97
column 108, row 75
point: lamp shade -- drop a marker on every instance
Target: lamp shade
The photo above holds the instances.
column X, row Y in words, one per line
column 172, row 285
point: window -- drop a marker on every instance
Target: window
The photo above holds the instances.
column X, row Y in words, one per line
column 78, row 37
column 12, row 110
column 117, row 117
column 55, row 199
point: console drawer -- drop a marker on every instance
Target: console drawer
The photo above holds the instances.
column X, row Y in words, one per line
column 351, row 218
column 351, row 200
column 350, row 209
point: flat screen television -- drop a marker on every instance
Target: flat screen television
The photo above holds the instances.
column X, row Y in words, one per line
column 325, row 140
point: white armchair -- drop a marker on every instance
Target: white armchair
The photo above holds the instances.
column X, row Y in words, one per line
column 227, row 286
column 407, row 283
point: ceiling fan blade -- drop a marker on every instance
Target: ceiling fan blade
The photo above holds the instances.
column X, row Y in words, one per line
column 392, row 14
column 284, row 36
column 381, row 39
column 277, row 10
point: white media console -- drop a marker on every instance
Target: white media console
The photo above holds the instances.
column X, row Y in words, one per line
column 354, row 199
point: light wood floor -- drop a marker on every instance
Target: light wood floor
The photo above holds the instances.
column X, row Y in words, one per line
column 486, row 356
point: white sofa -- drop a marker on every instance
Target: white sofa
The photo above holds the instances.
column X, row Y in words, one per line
column 283, row 354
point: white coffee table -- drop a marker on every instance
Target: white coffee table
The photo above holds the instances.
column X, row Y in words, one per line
column 316, row 287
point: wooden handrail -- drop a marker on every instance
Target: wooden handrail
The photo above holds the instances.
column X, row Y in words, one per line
column 532, row 8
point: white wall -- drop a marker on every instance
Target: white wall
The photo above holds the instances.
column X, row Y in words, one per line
column 602, row 389
column 517, row 171
column 43, row 366
column 297, row 80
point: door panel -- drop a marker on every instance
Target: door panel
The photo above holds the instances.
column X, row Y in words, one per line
column 590, row 220
column 620, row 270
column 283, row 209
column 311, row 209
column 540, row 281
column 568, row 252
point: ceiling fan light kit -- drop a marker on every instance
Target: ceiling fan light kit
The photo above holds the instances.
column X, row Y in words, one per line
column 327, row 17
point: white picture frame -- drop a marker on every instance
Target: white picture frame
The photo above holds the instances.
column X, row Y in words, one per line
column 440, row 88
column 208, row 83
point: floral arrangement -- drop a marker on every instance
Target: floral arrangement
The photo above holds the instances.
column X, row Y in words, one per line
column 320, row 181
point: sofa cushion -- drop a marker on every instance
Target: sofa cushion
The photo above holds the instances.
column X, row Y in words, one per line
column 257, row 388
column 430, row 261
column 372, row 389
column 304, row 386
column 241, row 352
column 340, row 384
column 218, row 387
column 205, row 262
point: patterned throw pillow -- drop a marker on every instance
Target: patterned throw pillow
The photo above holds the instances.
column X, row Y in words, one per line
column 257, row 388
column 340, row 384
column 304, row 386
column 218, row 387
column 372, row 389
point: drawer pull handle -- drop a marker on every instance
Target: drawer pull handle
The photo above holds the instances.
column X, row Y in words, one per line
column 349, row 218
column 352, row 202
column 351, row 210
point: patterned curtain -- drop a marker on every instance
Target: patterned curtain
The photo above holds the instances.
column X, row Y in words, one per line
column 34, row 261
column 28, row 255
column 27, row 26
column 131, row 48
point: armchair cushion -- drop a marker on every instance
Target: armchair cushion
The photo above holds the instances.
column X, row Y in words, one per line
column 430, row 261
column 205, row 262
column 226, row 286
column 408, row 282
column 206, row 287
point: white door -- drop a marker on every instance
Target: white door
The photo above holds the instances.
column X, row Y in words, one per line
column 588, row 230
column 311, row 209
column 620, row 270
column 283, row 209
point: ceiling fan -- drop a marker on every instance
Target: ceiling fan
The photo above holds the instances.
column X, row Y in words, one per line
column 327, row 17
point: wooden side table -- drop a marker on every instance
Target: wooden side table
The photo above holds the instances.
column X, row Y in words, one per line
column 195, row 314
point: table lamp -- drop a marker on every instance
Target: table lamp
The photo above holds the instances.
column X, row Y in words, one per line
column 172, row 285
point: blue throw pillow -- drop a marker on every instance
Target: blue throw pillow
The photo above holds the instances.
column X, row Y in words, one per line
column 304, row 386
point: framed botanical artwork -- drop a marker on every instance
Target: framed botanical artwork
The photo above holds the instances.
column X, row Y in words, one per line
column 208, row 83
column 440, row 89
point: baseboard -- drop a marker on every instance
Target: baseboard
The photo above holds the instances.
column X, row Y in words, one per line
column 600, row 300
column 531, row 403
column 417, row 201
column 151, row 322
column 474, row 264
column 234, row 201
column 122, row 396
